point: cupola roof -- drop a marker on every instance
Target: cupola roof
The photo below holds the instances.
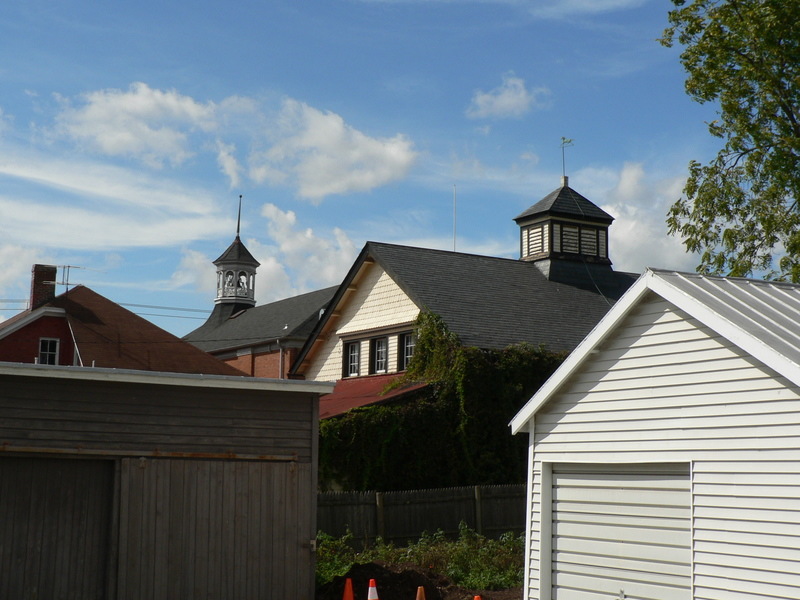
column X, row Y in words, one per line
column 566, row 202
column 237, row 253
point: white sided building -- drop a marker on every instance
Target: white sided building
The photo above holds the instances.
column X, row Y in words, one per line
column 665, row 452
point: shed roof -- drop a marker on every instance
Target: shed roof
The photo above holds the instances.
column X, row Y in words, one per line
column 760, row 317
column 363, row 391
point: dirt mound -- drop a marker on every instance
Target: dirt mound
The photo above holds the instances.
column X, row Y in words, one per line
column 401, row 583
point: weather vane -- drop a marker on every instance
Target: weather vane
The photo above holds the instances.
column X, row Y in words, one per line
column 565, row 142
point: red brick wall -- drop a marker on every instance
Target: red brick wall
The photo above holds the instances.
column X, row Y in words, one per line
column 266, row 364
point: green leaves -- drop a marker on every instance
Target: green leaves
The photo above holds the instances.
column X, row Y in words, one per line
column 455, row 432
column 740, row 211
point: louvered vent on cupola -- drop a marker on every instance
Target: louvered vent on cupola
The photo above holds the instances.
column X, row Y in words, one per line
column 564, row 225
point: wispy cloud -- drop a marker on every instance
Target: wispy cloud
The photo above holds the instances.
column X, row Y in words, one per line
column 562, row 9
column 95, row 180
column 511, row 99
column 549, row 9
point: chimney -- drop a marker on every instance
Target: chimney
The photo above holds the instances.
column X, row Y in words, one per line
column 43, row 284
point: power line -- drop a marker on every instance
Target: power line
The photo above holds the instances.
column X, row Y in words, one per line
column 200, row 310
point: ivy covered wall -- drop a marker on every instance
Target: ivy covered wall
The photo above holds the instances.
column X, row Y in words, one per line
column 453, row 432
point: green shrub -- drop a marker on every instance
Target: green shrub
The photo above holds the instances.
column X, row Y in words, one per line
column 471, row 561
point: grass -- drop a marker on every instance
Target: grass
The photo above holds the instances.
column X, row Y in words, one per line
column 471, row 561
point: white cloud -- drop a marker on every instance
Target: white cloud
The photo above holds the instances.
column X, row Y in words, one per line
column 195, row 270
column 299, row 255
column 228, row 164
column 509, row 100
column 638, row 237
column 17, row 261
column 144, row 123
column 322, row 155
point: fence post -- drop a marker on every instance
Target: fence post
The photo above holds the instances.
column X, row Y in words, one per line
column 478, row 510
column 380, row 520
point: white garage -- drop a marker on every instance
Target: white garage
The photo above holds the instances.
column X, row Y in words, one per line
column 664, row 454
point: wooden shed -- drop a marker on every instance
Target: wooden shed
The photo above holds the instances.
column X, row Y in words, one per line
column 665, row 452
column 126, row 485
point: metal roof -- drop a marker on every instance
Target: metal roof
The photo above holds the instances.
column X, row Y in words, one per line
column 749, row 312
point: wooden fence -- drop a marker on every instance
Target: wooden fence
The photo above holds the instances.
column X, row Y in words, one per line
column 401, row 517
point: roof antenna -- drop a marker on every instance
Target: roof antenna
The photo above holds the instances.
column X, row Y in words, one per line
column 565, row 143
column 239, row 217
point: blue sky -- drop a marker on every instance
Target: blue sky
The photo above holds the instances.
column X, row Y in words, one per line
column 129, row 130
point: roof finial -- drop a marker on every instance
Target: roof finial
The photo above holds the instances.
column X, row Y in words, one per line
column 565, row 142
column 239, row 217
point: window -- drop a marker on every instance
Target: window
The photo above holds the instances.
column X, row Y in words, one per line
column 48, row 351
column 406, row 343
column 379, row 355
column 352, row 358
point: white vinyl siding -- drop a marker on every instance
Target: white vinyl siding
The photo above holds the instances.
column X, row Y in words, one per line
column 376, row 302
column 665, row 388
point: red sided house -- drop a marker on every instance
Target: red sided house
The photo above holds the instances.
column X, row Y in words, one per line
column 82, row 328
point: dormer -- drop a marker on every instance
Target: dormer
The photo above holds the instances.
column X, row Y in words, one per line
column 236, row 276
column 564, row 226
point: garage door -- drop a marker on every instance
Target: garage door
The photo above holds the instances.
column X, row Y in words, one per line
column 621, row 532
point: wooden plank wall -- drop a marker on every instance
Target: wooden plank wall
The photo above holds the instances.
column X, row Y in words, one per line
column 55, row 518
column 401, row 517
column 221, row 529
column 106, row 417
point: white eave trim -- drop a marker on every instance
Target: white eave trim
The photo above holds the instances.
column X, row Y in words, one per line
column 44, row 311
column 162, row 378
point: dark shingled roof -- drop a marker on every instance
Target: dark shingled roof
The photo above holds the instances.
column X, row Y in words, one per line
column 566, row 202
column 291, row 318
column 237, row 252
column 108, row 335
column 495, row 302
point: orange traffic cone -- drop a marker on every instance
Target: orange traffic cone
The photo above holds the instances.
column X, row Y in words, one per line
column 348, row 589
column 373, row 590
column 420, row 593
